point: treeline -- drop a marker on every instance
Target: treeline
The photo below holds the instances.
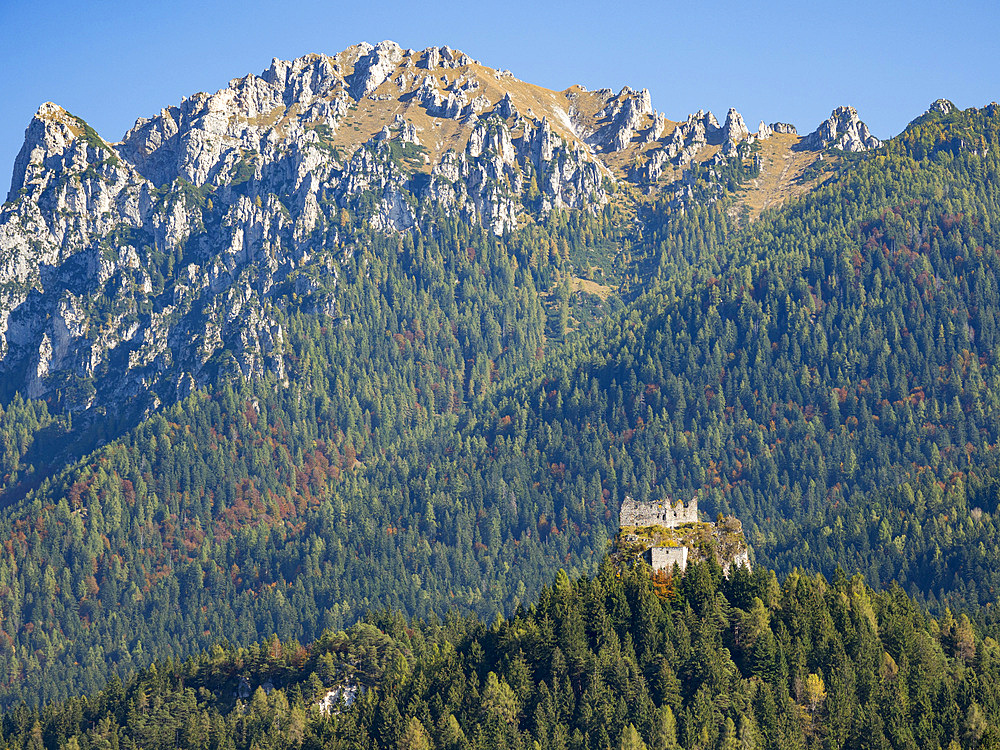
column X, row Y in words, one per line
column 621, row 660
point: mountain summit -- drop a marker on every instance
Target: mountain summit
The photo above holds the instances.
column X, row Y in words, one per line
column 125, row 265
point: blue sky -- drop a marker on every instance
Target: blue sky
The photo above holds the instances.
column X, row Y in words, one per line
column 111, row 62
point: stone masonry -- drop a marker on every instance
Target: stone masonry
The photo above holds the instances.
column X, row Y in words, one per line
column 664, row 558
column 666, row 514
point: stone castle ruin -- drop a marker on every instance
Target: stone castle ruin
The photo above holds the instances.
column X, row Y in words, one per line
column 666, row 514
column 667, row 534
column 664, row 558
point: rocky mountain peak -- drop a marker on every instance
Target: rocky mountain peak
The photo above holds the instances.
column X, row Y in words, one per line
column 735, row 129
column 373, row 69
column 433, row 58
column 300, row 79
column 51, row 142
column 126, row 266
column 843, row 130
column 941, row 106
column 622, row 118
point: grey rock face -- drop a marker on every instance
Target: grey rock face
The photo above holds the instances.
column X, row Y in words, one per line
column 654, row 167
column 407, row 131
column 686, row 140
column 735, row 129
column 842, row 130
column 373, row 69
column 684, row 144
column 694, row 133
column 239, row 183
column 493, row 176
column 653, row 133
column 86, row 221
column 942, row 106
column 505, row 107
column 432, row 58
column 623, row 117
column 452, row 105
column 784, row 128
column 444, row 57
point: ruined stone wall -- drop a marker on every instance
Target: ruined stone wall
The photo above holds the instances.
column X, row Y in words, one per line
column 666, row 514
column 664, row 558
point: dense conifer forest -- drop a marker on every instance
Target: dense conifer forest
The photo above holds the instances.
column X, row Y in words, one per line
column 616, row 661
column 461, row 419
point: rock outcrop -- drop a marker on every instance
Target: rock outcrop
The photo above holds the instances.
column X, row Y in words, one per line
column 735, row 129
column 688, row 140
column 666, row 535
column 689, row 137
column 784, row 128
column 622, row 119
column 843, row 130
column 941, row 106
column 373, row 69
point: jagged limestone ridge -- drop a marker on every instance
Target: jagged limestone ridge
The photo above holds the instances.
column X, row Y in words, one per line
column 243, row 182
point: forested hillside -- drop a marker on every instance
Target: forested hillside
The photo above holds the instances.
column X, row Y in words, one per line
column 457, row 420
column 807, row 368
column 616, row 661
